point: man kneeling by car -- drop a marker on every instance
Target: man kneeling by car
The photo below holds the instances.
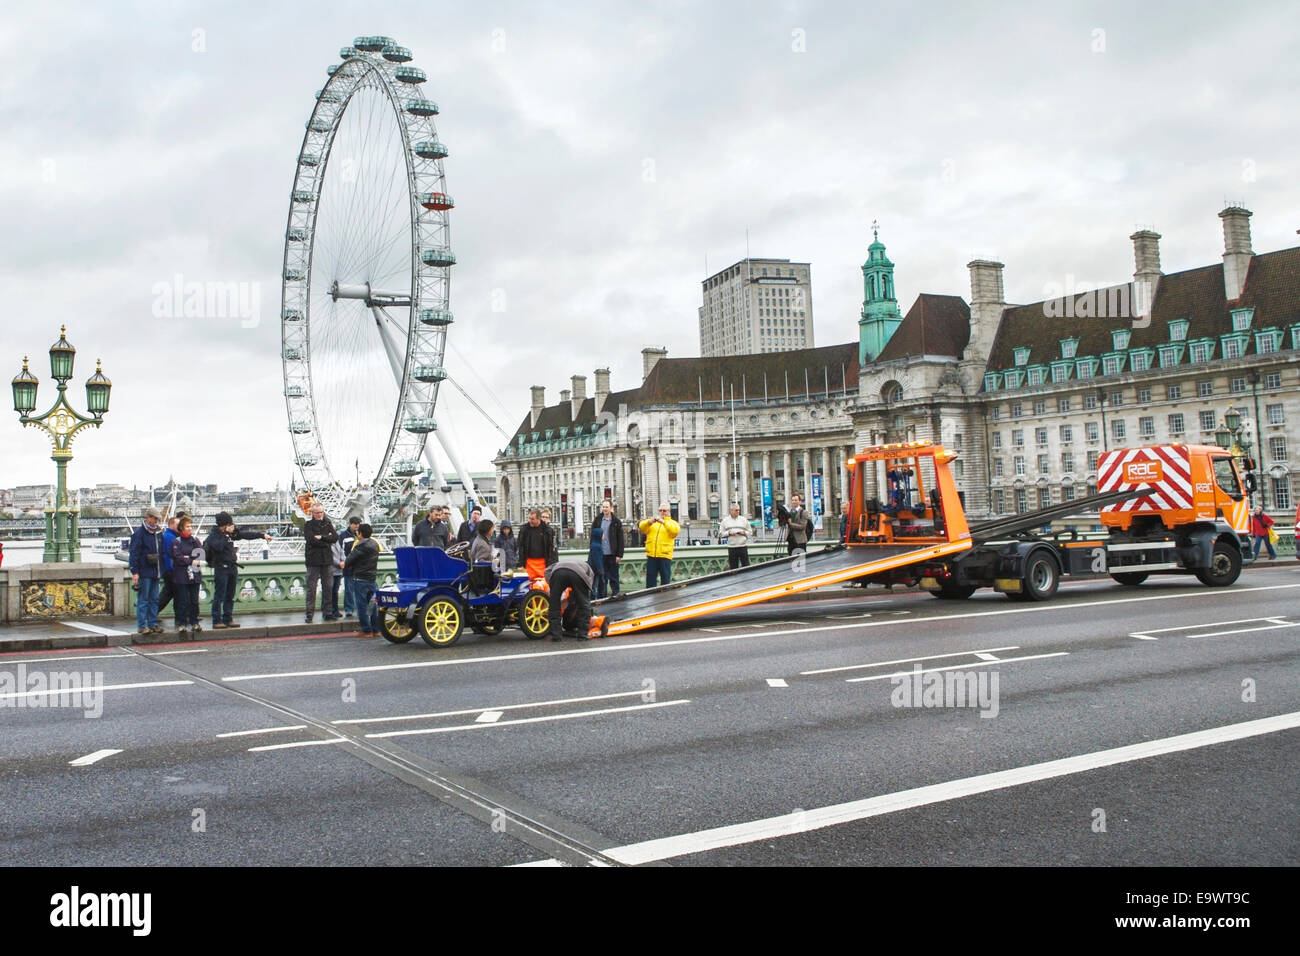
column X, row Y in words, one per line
column 577, row 576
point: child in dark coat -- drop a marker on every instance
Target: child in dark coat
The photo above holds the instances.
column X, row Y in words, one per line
column 596, row 558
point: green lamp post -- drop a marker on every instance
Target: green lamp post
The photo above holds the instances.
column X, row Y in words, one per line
column 61, row 423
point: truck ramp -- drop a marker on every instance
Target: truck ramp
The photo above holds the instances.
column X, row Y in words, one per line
column 757, row 583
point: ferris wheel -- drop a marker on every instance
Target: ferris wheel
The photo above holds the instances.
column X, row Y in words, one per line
column 365, row 302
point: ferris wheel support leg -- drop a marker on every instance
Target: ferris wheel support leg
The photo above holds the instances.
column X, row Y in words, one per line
column 395, row 362
column 465, row 480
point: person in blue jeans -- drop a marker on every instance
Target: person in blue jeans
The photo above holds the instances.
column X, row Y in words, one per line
column 362, row 563
column 348, row 539
column 147, row 568
column 224, row 561
column 596, row 558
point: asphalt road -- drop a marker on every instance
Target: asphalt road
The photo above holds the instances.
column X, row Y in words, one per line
column 1118, row 726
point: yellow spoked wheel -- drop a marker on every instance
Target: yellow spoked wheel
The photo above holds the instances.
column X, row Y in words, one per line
column 394, row 629
column 535, row 617
column 441, row 622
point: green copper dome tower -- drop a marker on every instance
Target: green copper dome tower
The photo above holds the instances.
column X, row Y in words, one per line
column 880, row 315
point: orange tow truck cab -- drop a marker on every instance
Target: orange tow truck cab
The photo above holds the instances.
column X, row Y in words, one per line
column 1188, row 485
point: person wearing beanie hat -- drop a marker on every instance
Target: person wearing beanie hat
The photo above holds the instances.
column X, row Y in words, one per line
column 223, row 559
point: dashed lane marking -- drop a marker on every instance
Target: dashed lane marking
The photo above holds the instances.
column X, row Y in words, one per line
column 478, row 710
column 954, row 667
column 95, row 757
column 299, row 743
column 262, row 730
column 526, row 720
column 776, row 682
column 64, row 691
column 911, row 660
column 489, row 717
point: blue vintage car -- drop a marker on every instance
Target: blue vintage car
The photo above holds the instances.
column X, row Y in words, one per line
column 438, row 593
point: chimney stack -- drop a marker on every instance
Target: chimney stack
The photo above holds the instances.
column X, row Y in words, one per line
column 602, row 388
column 1146, row 274
column 649, row 358
column 1236, row 250
column 539, row 402
column 564, row 396
column 986, row 304
column 579, row 383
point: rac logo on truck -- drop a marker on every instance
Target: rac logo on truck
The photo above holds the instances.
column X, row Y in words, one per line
column 1140, row 472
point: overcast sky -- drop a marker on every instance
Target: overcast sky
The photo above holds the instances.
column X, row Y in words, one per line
column 601, row 154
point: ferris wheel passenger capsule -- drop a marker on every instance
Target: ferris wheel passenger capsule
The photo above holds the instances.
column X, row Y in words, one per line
column 409, row 74
column 396, row 54
column 439, row 201
column 421, row 107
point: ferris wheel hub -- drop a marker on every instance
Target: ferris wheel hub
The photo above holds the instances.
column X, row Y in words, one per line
column 368, row 295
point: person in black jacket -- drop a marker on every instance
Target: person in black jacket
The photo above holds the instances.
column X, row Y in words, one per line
column 467, row 528
column 187, row 577
column 535, row 546
column 320, row 535
column 432, row 531
column 611, row 541
column 222, row 558
column 348, row 539
column 361, row 564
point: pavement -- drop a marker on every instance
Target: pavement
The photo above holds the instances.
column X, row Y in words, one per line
column 114, row 632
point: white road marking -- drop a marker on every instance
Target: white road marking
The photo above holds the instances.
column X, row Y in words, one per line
column 607, row 647
column 1241, row 630
column 488, row 717
column 300, row 743
column 5, row 662
column 954, row 667
column 87, row 760
column 538, row 863
column 1145, row 634
column 985, row 656
column 479, row 710
column 776, row 682
column 194, row 650
column 907, row 660
column 95, row 629
column 527, row 720
column 91, row 688
column 261, row 730
column 787, row 824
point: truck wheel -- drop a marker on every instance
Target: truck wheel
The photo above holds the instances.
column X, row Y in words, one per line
column 395, row 630
column 441, row 622
column 535, row 616
column 1130, row 579
column 1225, row 566
column 1041, row 578
column 954, row 592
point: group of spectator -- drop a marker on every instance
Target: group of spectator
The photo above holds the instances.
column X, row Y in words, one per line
column 350, row 559
column 166, row 566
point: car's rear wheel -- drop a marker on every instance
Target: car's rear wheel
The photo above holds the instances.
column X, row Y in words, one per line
column 442, row 621
column 396, row 630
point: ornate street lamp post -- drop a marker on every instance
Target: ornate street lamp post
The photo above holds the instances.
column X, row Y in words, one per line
column 61, row 423
column 1231, row 436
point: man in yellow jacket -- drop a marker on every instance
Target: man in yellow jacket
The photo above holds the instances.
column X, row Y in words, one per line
column 660, row 533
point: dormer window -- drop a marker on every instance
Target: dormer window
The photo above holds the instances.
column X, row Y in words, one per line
column 1022, row 356
column 1241, row 319
column 1068, row 347
column 1178, row 330
column 1119, row 338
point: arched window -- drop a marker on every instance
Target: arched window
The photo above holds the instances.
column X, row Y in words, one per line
column 892, row 393
column 871, row 286
column 887, row 287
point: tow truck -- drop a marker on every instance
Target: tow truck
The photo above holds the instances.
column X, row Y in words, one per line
column 1169, row 509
